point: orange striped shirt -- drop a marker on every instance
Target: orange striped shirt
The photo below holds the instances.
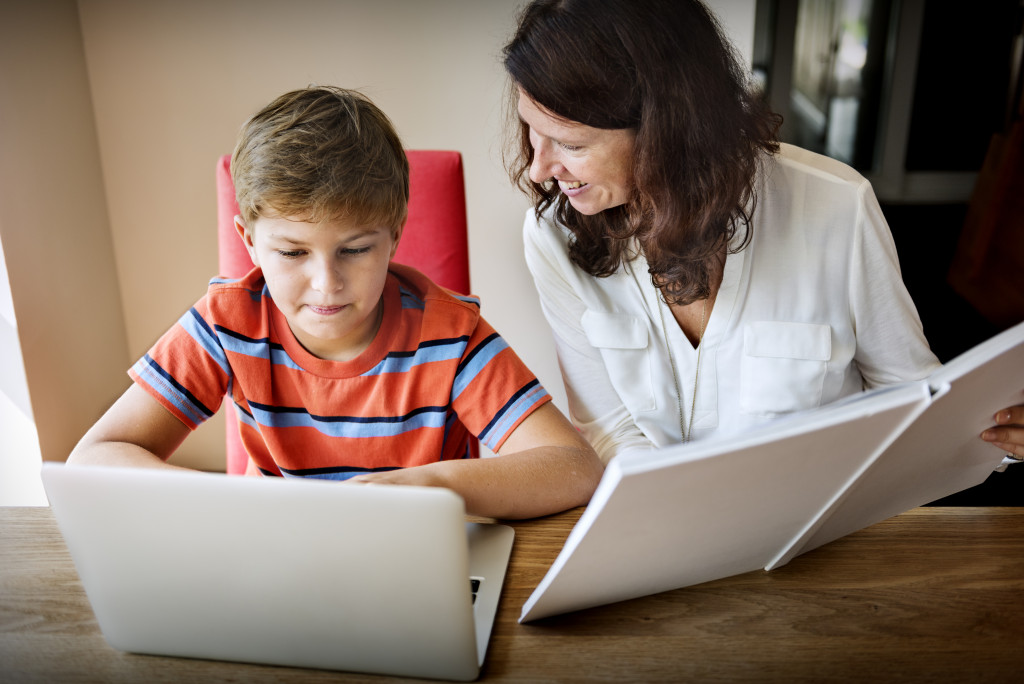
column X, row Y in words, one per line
column 435, row 375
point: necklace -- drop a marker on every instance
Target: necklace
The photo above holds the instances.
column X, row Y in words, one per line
column 686, row 430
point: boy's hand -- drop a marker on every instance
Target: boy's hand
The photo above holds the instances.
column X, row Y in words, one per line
column 421, row 476
column 544, row 466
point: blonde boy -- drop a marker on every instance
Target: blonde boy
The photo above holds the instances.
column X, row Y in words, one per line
column 341, row 364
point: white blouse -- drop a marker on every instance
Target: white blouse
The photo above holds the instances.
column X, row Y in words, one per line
column 812, row 310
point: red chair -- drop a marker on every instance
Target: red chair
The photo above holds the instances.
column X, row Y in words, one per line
column 435, row 241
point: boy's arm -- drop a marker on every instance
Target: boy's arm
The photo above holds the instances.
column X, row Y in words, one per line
column 135, row 431
column 545, row 466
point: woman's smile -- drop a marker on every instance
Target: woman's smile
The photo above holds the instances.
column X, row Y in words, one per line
column 573, row 188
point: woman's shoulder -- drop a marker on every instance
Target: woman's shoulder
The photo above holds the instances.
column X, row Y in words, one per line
column 545, row 237
column 544, row 225
column 796, row 161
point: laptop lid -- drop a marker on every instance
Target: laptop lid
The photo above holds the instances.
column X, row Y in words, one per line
column 302, row 573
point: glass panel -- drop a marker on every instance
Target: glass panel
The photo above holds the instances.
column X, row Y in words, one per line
column 837, row 78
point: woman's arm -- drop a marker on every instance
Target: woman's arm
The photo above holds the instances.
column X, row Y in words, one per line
column 136, row 431
column 595, row 405
column 891, row 346
column 900, row 339
column 545, row 466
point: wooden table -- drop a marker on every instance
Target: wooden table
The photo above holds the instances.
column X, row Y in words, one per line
column 935, row 594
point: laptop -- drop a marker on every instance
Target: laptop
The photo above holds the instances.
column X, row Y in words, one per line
column 692, row 513
column 382, row 579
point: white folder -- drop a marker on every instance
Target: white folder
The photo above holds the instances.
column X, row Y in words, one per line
column 692, row 513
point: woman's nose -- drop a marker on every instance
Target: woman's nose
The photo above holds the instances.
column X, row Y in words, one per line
column 543, row 165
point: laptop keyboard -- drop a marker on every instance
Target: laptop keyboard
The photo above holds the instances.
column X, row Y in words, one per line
column 474, row 586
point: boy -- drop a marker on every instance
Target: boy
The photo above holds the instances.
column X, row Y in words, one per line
column 341, row 364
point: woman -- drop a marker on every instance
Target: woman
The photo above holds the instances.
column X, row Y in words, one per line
column 699, row 277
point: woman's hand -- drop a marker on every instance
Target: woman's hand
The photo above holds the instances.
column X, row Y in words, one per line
column 1008, row 432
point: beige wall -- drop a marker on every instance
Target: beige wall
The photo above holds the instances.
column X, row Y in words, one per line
column 54, row 227
column 171, row 81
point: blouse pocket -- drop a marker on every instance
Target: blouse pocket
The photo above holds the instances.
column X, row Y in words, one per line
column 622, row 340
column 783, row 366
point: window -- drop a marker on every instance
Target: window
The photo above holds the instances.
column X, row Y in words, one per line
column 20, row 458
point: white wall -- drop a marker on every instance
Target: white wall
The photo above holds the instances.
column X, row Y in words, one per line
column 20, row 456
column 172, row 80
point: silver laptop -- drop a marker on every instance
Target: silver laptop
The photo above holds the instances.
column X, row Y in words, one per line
column 316, row 574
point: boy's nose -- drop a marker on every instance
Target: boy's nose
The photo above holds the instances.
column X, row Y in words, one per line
column 326, row 277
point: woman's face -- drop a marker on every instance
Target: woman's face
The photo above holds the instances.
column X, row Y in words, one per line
column 593, row 166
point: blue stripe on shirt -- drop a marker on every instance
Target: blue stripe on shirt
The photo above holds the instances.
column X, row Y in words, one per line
column 225, row 281
column 205, row 337
column 218, row 340
column 427, row 352
column 256, row 348
column 410, row 300
column 169, row 388
column 512, row 411
column 469, row 299
column 352, row 427
column 476, row 361
column 244, row 416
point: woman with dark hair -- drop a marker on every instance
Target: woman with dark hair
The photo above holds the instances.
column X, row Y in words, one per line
column 699, row 277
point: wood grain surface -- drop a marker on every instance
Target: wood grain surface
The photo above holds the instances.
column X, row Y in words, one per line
column 933, row 595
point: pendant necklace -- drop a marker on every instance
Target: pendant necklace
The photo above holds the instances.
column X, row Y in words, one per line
column 686, row 430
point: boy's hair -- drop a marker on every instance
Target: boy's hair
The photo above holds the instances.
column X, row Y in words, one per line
column 320, row 154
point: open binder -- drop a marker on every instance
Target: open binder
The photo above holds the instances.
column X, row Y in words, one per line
column 692, row 513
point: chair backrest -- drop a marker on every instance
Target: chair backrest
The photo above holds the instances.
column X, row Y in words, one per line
column 435, row 241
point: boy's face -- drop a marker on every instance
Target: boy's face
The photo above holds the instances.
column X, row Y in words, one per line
column 326, row 279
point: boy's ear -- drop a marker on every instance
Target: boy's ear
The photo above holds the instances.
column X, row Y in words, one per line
column 246, row 236
column 396, row 235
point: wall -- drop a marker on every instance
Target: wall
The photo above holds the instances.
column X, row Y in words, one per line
column 54, row 228
column 172, row 80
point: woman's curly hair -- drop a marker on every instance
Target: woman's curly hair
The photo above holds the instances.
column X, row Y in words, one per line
column 664, row 69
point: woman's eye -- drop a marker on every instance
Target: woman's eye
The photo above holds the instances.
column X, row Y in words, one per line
column 570, row 148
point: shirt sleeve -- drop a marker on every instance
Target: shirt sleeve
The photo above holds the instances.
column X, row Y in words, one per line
column 494, row 391
column 891, row 345
column 594, row 405
column 186, row 370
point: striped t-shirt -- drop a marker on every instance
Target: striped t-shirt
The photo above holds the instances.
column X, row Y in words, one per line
column 435, row 374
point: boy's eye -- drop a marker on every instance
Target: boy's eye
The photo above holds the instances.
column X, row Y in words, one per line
column 290, row 253
column 351, row 251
